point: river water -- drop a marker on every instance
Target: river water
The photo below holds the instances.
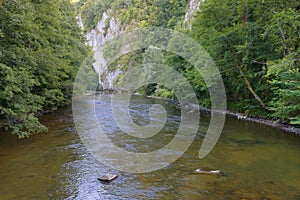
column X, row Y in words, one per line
column 258, row 162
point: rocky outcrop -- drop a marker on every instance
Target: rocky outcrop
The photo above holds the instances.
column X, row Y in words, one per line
column 106, row 28
column 193, row 8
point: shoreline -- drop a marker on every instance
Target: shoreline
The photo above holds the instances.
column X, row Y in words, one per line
column 288, row 128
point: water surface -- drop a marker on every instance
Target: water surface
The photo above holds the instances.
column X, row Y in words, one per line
column 258, row 162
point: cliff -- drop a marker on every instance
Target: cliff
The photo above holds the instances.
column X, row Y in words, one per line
column 108, row 26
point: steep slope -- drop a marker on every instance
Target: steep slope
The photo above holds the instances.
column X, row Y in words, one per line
column 96, row 38
column 120, row 18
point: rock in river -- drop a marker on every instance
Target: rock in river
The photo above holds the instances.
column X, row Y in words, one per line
column 210, row 172
column 108, row 177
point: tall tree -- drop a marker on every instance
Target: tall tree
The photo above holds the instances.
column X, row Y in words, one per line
column 246, row 38
column 41, row 48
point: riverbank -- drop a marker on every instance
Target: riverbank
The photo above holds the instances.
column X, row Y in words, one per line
column 268, row 122
column 275, row 124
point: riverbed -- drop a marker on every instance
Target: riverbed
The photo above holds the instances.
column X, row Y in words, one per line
column 258, row 162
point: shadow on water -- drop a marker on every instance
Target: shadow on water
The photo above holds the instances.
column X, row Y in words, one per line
column 258, row 162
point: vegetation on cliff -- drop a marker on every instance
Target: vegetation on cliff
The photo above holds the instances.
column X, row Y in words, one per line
column 255, row 45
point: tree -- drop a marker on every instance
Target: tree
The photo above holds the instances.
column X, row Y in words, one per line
column 247, row 38
column 41, row 49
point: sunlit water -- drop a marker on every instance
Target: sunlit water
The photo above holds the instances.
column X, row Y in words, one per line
column 258, row 162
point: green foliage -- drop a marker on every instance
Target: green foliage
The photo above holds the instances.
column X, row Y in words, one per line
column 286, row 103
column 92, row 10
column 142, row 13
column 258, row 41
column 41, row 49
column 87, row 78
column 165, row 93
column 284, row 77
column 254, row 43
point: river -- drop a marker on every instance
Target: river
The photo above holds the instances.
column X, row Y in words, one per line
column 258, row 162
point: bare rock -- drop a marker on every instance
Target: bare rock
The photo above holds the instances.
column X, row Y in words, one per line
column 208, row 171
column 108, row 177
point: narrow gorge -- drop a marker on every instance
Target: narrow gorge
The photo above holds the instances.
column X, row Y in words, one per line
column 107, row 27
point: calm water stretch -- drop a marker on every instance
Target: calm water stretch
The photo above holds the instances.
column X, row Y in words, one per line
column 258, row 162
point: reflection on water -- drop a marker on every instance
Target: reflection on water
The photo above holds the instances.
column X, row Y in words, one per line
column 258, row 162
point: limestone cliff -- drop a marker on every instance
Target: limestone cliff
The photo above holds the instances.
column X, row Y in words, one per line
column 193, row 8
column 106, row 28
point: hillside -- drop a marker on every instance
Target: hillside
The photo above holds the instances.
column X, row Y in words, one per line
column 255, row 45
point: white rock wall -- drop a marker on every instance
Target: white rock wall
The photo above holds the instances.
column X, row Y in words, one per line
column 193, row 8
column 106, row 28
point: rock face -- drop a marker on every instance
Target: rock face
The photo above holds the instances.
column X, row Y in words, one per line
column 106, row 28
column 193, row 8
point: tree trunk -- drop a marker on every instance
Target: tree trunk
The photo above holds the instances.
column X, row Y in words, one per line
column 248, row 84
column 250, row 87
column 287, row 47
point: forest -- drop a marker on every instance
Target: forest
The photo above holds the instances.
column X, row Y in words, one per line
column 65, row 135
column 41, row 49
column 255, row 44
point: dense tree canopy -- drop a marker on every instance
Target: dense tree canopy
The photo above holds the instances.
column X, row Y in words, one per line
column 41, row 48
column 140, row 13
column 255, row 44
